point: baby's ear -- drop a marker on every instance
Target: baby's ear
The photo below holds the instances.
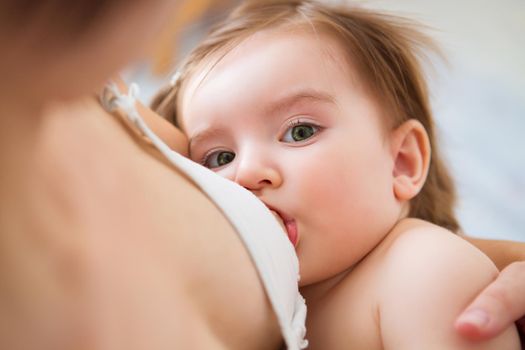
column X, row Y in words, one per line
column 411, row 152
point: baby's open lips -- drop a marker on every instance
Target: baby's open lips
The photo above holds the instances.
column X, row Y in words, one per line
column 279, row 219
column 288, row 224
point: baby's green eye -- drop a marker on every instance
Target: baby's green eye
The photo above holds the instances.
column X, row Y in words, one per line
column 300, row 132
column 218, row 159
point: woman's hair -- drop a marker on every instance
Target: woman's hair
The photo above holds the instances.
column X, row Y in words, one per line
column 385, row 51
column 61, row 18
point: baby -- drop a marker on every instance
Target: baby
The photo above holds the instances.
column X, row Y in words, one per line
column 323, row 113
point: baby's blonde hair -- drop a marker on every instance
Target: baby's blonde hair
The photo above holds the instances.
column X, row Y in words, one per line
column 384, row 50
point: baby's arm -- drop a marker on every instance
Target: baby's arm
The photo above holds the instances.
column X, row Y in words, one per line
column 168, row 133
column 430, row 277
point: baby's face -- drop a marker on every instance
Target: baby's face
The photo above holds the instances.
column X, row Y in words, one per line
column 285, row 116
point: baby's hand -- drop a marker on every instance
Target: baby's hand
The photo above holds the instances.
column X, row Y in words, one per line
column 498, row 305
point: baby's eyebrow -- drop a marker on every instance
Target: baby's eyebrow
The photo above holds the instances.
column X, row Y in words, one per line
column 278, row 106
column 205, row 134
column 291, row 99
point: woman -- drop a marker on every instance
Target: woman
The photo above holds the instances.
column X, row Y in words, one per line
column 103, row 242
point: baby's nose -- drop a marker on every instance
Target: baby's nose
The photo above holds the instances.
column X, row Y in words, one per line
column 256, row 174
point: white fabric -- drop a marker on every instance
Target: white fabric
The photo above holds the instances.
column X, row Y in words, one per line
column 265, row 240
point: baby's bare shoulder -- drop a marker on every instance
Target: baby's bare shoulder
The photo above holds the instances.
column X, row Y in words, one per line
column 428, row 275
column 417, row 247
column 407, row 293
column 422, row 260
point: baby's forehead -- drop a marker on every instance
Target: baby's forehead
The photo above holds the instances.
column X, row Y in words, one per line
column 322, row 40
column 317, row 58
column 303, row 41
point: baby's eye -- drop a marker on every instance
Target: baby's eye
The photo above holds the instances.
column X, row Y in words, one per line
column 217, row 159
column 299, row 132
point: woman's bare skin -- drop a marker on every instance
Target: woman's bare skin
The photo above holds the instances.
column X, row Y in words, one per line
column 164, row 284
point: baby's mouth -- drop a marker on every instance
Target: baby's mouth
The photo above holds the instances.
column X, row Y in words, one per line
column 289, row 225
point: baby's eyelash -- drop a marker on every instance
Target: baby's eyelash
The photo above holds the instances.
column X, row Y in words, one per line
column 205, row 157
column 202, row 159
column 210, row 157
column 309, row 130
column 294, row 122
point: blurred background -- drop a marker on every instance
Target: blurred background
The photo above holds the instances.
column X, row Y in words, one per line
column 478, row 99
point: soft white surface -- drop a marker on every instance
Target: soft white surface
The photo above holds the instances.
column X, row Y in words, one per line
column 479, row 105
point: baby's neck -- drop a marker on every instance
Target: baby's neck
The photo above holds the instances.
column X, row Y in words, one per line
column 316, row 291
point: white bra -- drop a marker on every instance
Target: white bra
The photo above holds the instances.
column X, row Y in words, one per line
column 269, row 247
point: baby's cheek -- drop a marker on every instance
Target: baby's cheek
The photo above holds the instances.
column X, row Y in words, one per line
column 326, row 182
